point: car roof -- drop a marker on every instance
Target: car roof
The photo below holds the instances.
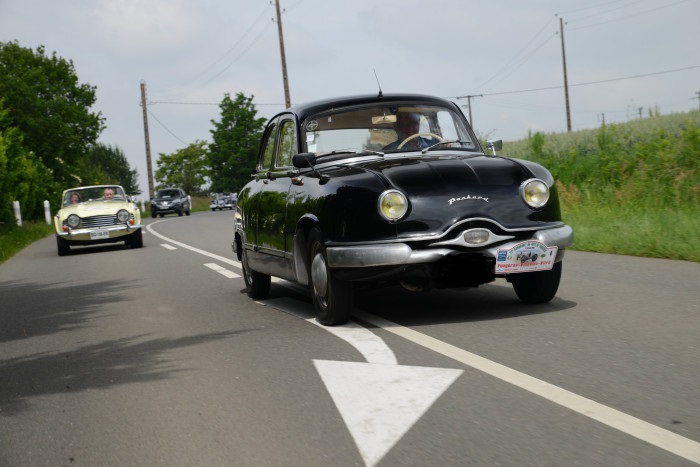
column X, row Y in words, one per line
column 310, row 108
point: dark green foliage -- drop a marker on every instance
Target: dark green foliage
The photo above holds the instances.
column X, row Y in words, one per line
column 106, row 165
column 236, row 139
column 185, row 168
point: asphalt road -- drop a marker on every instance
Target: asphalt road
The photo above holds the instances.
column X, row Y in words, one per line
column 156, row 356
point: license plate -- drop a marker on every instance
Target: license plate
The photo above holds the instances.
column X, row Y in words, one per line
column 525, row 257
column 99, row 234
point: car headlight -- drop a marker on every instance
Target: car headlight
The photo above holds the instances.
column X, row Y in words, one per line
column 535, row 192
column 73, row 221
column 123, row 215
column 392, row 205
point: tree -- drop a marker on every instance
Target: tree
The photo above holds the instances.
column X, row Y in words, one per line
column 51, row 109
column 236, row 140
column 107, row 164
column 23, row 177
column 185, row 168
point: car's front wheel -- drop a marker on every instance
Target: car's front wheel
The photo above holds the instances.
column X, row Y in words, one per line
column 333, row 298
column 62, row 246
column 537, row 287
column 257, row 283
column 135, row 239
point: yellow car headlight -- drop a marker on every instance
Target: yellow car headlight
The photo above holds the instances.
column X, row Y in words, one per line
column 392, row 205
column 535, row 193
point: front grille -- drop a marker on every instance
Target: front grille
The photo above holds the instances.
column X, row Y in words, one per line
column 100, row 221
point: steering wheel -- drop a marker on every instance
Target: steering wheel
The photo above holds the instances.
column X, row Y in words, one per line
column 417, row 135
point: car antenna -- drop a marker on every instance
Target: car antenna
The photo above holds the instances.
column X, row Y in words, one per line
column 380, row 95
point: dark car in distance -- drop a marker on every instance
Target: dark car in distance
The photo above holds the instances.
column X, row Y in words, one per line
column 170, row 201
column 393, row 189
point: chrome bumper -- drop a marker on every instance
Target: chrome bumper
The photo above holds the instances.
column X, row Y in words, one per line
column 114, row 228
column 396, row 254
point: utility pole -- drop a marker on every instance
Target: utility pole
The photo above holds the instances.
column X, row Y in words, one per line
column 566, row 81
column 148, row 142
column 697, row 93
column 469, row 106
column 287, row 100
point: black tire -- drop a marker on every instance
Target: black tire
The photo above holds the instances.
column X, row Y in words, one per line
column 136, row 239
column 162, row 214
column 332, row 298
column 539, row 286
column 62, row 246
column 154, row 214
column 179, row 213
column 257, row 283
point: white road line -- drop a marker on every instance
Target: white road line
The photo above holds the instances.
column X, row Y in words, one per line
column 640, row 429
column 191, row 248
column 221, row 270
column 168, row 246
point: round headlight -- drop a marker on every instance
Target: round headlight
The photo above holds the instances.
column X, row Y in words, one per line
column 123, row 215
column 535, row 192
column 393, row 205
column 73, row 221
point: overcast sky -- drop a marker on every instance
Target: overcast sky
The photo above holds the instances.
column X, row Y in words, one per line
column 621, row 56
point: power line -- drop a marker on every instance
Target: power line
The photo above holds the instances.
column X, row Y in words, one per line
column 588, row 83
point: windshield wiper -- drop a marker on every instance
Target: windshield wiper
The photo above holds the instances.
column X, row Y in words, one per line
column 364, row 152
column 447, row 141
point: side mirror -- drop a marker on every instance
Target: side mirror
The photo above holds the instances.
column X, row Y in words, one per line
column 303, row 160
column 494, row 145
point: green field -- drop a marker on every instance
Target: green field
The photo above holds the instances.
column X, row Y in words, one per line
column 631, row 188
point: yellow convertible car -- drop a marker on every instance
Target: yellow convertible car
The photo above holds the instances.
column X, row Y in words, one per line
column 97, row 214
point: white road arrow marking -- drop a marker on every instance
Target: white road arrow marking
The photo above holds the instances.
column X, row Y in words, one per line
column 379, row 400
column 380, row 403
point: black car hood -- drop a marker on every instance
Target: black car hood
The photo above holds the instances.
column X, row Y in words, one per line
column 446, row 189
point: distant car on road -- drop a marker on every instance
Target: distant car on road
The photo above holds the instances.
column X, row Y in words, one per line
column 97, row 214
column 222, row 202
column 393, row 189
column 170, row 201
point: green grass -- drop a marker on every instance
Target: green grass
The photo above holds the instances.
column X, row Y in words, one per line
column 13, row 238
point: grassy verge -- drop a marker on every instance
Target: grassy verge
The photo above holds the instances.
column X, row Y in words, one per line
column 14, row 238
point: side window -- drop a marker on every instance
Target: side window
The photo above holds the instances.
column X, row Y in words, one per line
column 268, row 148
column 288, row 143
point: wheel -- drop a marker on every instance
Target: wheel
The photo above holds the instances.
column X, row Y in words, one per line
column 135, row 239
column 416, row 135
column 154, row 214
column 257, row 283
column 539, row 286
column 333, row 298
column 62, row 246
column 162, row 214
column 187, row 213
column 179, row 212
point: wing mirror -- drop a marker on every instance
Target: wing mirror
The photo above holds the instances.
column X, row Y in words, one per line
column 494, row 145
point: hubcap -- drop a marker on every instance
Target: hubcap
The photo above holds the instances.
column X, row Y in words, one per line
column 319, row 275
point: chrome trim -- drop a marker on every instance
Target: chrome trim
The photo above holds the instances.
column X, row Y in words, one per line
column 396, row 254
column 115, row 228
column 459, row 239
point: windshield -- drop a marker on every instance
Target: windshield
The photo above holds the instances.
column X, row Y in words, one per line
column 386, row 129
column 167, row 194
column 93, row 193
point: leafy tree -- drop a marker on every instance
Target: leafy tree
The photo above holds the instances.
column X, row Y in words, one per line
column 236, row 140
column 50, row 107
column 185, row 168
column 23, row 177
column 107, row 164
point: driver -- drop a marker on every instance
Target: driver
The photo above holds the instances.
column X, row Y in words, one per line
column 408, row 124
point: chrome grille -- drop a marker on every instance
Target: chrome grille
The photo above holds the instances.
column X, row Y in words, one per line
column 101, row 221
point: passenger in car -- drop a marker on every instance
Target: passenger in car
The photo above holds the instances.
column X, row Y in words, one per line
column 75, row 198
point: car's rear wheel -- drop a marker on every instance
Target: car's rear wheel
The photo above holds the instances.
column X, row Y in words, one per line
column 257, row 283
column 62, row 246
column 537, row 287
column 332, row 298
column 136, row 239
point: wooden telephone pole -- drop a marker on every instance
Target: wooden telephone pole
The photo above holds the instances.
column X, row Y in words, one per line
column 566, row 82
column 148, row 142
column 287, row 100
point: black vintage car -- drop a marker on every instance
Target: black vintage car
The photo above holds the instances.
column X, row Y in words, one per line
column 386, row 189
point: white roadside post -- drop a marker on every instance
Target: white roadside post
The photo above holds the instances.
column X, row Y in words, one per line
column 47, row 211
column 18, row 214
